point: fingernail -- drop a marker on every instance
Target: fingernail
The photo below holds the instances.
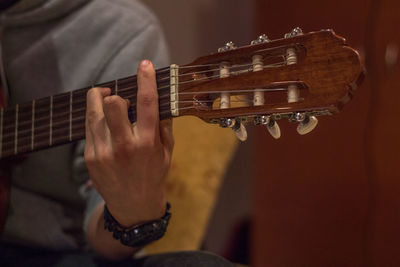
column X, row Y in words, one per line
column 144, row 63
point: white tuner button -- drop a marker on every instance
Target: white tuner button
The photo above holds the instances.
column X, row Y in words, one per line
column 307, row 125
column 274, row 130
column 241, row 132
column 239, row 129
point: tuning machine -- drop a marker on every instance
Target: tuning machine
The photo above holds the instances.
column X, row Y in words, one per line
column 236, row 125
column 306, row 122
column 270, row 123
column 261, row 39
column 295, row 32
column 228, row 46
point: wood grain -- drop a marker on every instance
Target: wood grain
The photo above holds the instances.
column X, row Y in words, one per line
column 330, row 70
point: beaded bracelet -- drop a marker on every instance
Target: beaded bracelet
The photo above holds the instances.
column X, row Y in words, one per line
column 137, row 235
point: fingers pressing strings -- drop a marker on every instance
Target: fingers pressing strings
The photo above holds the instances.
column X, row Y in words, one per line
column 128, row 92
column 96, row 129
column 116, row 116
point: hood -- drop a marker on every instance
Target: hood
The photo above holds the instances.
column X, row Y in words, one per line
column 26, row 12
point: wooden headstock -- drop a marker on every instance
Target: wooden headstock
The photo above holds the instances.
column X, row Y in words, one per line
column 297, row 77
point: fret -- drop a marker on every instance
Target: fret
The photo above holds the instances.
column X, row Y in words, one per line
column 16, row 130
column 78, row 113
column 51, row 122
column 42, row 133
column 61, row 118
column 1, row 131
column 24, row 127
column 70, row 114
column 127, row 93
column 8, row 130
column 164, row 82
column 129, row 82
column 33, row 126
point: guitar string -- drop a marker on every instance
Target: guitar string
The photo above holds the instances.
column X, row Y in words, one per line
column 56, row 138
column 134, row 104
column 79, row 122
column 256, row 52
column 134, row 78
column 133, row 87
column 45, row 135
column 129, row 88
column 210, row 78
column 166, row 70
column 250, row 65
column 277, row 64
column 40, row 119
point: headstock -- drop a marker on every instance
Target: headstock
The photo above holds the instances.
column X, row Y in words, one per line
column 298, row 77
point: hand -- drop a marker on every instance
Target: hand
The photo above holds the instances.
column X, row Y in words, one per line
column 128, row 163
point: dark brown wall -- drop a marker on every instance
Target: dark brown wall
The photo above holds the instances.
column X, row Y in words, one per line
column 383, row 135
column 332, row 198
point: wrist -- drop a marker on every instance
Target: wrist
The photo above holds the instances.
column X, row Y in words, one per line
column 140, row 212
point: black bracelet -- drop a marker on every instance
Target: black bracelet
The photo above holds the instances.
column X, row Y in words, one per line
column 137, row 235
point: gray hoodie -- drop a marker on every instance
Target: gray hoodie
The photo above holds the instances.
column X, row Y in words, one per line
column 53, row 46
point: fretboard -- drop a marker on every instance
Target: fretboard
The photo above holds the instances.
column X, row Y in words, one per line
column 60, row 119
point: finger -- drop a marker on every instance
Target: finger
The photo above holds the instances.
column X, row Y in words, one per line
column 147, row 101
column 95, row 127
column 167, row 138
column 116, row 114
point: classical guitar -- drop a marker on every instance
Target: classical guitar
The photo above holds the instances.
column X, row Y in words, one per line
column 297, row 77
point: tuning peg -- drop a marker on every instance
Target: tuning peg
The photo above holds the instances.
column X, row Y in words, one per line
column 236, row 125
column 306, row 123
column 270, row 123
column 228, row 46
column 240, row 131
column 273, row 129
column 225, row 123
column 295, row 32
column 261, row 39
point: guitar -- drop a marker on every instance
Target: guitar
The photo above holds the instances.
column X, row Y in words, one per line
column 299, row 77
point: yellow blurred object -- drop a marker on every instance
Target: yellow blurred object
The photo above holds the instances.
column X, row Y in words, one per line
column 201, row 155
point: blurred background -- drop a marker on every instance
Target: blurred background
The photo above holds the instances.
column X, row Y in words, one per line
column 332, row 197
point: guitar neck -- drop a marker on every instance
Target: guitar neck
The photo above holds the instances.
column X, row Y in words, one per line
column 60, row 119
column 298, row 77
